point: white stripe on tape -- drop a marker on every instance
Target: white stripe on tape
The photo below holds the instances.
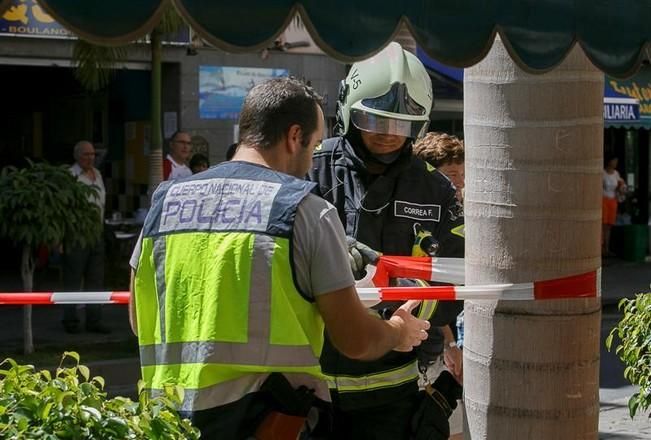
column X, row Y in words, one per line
column 81, row 297
column 496, row 291
column 369, row 296
column 448, row 270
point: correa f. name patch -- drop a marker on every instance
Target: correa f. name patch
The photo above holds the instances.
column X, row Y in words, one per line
column 415, row 211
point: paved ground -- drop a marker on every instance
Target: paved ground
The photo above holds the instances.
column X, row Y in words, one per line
column 620, row 279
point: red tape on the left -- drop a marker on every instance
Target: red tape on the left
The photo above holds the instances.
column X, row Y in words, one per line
column 45, row 298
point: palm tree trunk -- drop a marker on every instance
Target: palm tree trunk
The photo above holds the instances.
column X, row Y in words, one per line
column 533, row 212
column 27, row 275
column 156, row 150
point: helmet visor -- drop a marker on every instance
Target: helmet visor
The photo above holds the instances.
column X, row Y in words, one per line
column 396, row 100
column 383, row 125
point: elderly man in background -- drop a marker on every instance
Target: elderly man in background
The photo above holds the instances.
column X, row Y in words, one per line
column 175, row 163
column 85, row 264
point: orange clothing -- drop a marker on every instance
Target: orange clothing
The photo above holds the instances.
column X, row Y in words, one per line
column 609, row 210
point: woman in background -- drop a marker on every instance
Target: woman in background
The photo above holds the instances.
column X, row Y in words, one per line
column 613, row 187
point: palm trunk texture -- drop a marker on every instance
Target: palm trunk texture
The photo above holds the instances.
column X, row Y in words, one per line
column 533, row 212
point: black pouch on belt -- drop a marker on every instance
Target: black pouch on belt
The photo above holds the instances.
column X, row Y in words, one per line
column 288, row 408
column 430, row 422
column 284, row 398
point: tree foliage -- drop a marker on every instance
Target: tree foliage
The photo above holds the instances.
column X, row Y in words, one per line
column 95, row 65
column 45, row 204
column 70, row 404
column 170, row 22
column 634, row 334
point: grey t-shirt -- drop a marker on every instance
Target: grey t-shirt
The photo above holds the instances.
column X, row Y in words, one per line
column 319, row 248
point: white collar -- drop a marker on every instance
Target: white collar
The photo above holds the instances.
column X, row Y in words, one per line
column 175, row 163
column 77, row 171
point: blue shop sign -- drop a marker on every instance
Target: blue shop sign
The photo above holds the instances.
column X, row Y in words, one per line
column 27, row 18
column 621, row 109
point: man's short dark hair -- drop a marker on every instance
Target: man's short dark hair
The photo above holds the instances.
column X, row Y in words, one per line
column 273, row 106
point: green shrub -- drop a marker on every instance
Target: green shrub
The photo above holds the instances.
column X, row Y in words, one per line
column 634, row 333
column 72, row 405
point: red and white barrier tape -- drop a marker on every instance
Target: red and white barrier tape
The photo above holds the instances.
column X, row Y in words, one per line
column 44, row 298
column 444, row 270
column 578, row 286
column 449, row 270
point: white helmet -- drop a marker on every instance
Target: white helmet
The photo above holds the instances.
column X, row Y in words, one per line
column 389, row 93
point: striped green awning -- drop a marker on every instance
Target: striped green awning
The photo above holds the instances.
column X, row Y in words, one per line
column 642, row 123
column 538, row 33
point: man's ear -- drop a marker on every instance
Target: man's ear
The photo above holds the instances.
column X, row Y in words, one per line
column 294, row 138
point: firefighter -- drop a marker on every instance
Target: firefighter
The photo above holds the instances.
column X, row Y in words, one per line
column 381, row 193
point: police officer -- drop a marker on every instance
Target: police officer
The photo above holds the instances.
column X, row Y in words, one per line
column 239, row 268
column 384, row 196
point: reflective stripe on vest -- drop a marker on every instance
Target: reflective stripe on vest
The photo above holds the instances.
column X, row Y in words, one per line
column 217, row 395
column 158, row 252
column 226, row 353
column 386, row 379
column 427, row 308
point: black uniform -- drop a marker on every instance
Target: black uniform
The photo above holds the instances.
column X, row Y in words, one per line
column 379, row 206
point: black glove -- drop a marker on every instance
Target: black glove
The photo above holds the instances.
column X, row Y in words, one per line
column 360, row 256
column 449, row 388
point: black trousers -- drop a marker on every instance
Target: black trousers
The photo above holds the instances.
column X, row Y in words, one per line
column 235, row 421
column 83, row 266
column 239, row 420
column 390, row 422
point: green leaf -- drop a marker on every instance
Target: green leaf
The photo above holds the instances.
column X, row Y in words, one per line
column 71, row 354
column 62, row 397
column 93, row 412
column 100, row 381
column 10, row 361
column 633, row 404
column 45, row 410
column 84, row 371
column 141, row 386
